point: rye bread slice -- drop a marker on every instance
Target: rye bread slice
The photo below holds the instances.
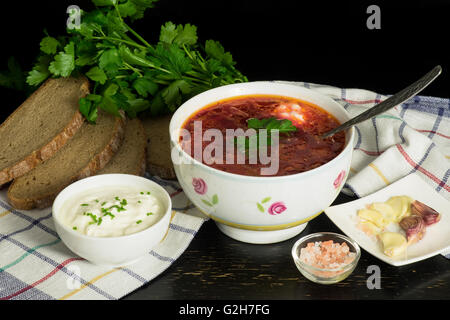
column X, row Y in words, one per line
column 130, row 158
column 87, row 152
column 159, row 161
column 40, row 126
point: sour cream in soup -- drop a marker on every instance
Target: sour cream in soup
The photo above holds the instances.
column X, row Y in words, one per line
column 112, row 212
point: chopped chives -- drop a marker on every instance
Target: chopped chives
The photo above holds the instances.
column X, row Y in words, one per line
column 96, row 200
column 103, row 203
column 139, row 201
column 84, row 205
column 109, row 214
column 93, row 216
column 115, row 206
column 139, row 221
column 149, row 213
column 142, row 192
column 74, row 228
column 148, row 192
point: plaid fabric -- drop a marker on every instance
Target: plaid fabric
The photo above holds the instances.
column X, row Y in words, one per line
column 34, row 264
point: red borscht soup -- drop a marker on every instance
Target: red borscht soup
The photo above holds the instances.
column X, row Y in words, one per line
column 298, row 151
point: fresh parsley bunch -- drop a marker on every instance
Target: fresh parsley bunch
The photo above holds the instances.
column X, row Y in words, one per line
column 127, row 72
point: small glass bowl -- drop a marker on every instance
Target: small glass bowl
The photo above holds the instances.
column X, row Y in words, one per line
column 325, row 276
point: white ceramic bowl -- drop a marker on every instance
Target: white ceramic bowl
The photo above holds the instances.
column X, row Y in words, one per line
column 260, row 209
column 112, row 251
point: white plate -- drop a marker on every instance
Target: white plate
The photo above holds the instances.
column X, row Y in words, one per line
column 437, row 236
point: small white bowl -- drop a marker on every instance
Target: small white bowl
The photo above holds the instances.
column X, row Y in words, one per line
column 112, row 251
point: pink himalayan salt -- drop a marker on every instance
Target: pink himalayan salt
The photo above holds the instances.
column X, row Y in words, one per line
column 327, row 255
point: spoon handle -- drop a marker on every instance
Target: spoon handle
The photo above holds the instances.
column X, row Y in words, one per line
column 390, row 102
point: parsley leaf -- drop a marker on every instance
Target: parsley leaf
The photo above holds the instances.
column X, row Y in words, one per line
column 49, row 45
column 64, row 62
column 14, row 77
column 104, row 2
column 173, row 58
column 97, row 74
column 173, row 93
column 88, row 107
column 216, row 51
column 180, row 35
column 168, row 32
column 144, row 87
column 285, row 126
column 141, row 6
column 40, row 71
column 110, row 61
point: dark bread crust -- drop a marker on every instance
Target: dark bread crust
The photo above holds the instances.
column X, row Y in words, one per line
column 143, row 161
column 164, row 173
column 141, row 169
column 97, row 162
column 49, row 149
column 159, row 161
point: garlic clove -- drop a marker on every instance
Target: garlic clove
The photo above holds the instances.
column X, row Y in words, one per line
column 429, row 215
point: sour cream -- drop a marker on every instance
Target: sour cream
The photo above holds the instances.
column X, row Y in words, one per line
column 112, row 212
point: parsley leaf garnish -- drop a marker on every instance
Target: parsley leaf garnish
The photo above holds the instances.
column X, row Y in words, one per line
column 283, row 126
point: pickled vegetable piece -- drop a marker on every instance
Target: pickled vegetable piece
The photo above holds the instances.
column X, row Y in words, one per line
column 373, row 216
column 394, row 243
column 386, row 211
column 401, row 206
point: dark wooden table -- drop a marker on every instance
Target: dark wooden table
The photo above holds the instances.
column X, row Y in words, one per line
column 216, row 267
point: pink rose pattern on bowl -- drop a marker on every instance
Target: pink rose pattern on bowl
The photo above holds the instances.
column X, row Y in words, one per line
column 277, row 208
column 338, row 181
column 274, row 209
column 199, row 185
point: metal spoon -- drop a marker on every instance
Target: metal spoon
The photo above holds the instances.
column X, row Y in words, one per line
column 390, row 102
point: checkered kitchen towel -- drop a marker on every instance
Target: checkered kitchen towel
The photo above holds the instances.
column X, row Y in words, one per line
column 35, row 264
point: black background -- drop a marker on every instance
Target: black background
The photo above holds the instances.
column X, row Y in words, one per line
column 313, row 41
